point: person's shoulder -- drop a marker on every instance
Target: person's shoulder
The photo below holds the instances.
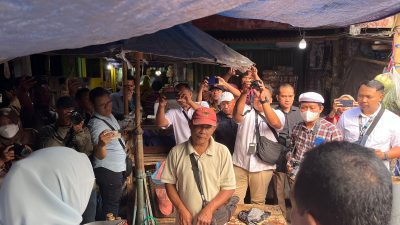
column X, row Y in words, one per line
column 354, row 112
column 295, row 108
column 47, row 128
column 298, row 126
column 221, row 149
column 279, row 112
column 327, row 125
column 178, row 149
column 391, row 115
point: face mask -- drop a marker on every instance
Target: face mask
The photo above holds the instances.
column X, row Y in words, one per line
column 309, row 116
column 9, row 131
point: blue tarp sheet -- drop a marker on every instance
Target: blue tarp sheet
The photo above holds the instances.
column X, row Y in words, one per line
column 184, row 43
column 34, row 26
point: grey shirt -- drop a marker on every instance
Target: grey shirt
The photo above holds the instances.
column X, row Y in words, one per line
column 292, row 118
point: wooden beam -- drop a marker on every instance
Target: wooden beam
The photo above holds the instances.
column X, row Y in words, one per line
column 371, row 61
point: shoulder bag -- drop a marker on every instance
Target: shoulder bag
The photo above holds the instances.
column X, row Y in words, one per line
column 224, row 213
column 268, row 151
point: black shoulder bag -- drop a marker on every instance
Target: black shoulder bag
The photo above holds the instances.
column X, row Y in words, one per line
column 363, row 139
column 267, row 150
column 224, row 213
column 128, row 161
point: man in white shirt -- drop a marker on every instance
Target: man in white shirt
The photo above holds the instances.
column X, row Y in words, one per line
column 250, row 171
column 178, row 117
column 354, row 123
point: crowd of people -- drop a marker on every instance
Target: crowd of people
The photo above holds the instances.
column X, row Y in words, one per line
column 218, row 131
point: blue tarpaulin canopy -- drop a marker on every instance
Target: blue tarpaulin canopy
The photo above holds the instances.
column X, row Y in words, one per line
column 29, row 27
column 184, row 43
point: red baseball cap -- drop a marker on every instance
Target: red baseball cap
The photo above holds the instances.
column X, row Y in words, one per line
column 204, row 116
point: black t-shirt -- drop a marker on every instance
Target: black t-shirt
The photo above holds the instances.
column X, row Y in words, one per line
column 226, row 131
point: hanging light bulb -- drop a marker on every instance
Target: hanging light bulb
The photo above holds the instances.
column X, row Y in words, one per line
column 303, row 44
column 109, row 66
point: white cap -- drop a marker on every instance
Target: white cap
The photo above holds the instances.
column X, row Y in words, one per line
column 226, row 96
column 311, row 97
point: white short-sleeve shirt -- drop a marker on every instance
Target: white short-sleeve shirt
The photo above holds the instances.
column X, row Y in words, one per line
column 180, row 124
column 246, row 135
column 385, row 135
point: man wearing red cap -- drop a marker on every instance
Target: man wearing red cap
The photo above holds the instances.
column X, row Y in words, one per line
column 215, row 170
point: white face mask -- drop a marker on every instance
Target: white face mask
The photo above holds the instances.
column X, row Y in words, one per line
column 309, row 116
column 9, row 131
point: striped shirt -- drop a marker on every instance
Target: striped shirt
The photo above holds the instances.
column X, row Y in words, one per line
column 304, row 139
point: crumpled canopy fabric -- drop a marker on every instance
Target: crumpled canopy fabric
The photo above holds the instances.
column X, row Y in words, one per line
column 316, row 13
column 28, row 27
column 181, row 43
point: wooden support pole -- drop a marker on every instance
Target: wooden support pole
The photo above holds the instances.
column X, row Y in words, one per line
column 139, row 161
column 396, row 42
column 125, row 88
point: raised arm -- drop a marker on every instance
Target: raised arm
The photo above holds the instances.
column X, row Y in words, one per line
column 266, row 100
column 228, row 87
column 161, row 120
column 239, row 106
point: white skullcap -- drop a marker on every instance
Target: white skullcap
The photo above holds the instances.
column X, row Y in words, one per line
column 311, row 97
column 226, row 96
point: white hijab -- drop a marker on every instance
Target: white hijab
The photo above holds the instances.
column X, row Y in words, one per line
column 51, row 186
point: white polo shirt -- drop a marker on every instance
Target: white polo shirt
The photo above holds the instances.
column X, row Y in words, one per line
column 246, row 135
column 385, row 135
column 180, row 124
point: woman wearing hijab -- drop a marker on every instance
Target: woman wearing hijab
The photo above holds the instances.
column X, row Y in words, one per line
column 51, row 186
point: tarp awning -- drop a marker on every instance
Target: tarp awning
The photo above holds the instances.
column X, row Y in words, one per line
column 28, row 27
column 184, row 43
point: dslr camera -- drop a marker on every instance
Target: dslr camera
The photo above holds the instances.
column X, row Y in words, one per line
column 255, row 84
column 20, row 151
column 76, row 117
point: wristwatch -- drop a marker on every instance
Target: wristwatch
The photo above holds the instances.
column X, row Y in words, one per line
column 266, row 100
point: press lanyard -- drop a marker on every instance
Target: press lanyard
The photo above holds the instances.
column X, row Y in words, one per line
column 364, row 128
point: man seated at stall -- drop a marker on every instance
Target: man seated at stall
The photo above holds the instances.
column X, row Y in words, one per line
column 178, row 117
column 340, row 183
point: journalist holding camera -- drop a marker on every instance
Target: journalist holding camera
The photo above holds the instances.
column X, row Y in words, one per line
column 68, row 130
column 15, row 142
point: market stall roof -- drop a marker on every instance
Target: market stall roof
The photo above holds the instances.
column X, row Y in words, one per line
column 29, row 27
column 184, row 43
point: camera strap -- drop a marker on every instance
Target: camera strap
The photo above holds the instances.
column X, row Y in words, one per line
column 265, row 120
column 366, row 131
column 112, row 128
column 185, row 114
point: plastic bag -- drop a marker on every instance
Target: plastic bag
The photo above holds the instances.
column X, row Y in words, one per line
column 391, row 81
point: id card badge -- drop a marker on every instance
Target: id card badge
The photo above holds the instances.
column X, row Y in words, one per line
column 318, row 141
column 252, row 148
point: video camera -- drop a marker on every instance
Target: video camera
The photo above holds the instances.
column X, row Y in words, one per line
column 20, row 151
